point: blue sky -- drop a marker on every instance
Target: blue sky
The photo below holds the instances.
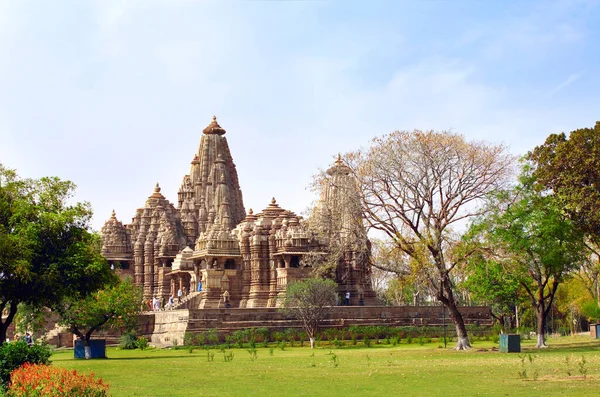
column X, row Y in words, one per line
column 113, row 95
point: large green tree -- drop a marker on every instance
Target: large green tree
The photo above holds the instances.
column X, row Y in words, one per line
column 488, row 283
column 527, row 231
column 569, row 167
column 114, row 307
column 47, row 253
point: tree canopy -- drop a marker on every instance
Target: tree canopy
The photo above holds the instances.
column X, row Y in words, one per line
column 415, row 186
column 570, row 168
column 538, row 245
column 116, row 306
column 310, row 301
column 47, row 253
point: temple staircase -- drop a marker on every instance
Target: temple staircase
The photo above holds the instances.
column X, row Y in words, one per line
column 186, row 301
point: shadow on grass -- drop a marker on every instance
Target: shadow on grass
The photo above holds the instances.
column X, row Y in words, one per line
column 565, row 347
column 132, row 358
column 152, row 357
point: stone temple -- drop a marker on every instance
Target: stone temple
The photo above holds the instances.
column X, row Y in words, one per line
column 220, row 256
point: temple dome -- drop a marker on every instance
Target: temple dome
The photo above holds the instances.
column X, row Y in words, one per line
column 214, row 128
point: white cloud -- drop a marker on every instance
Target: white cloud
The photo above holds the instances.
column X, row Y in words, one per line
column 568, row 81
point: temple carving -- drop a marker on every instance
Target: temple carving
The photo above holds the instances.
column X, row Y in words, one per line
column 220, row 256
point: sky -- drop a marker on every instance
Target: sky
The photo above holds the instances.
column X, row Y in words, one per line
column 114, row 95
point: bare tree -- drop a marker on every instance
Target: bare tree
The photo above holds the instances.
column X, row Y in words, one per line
column 415, row 186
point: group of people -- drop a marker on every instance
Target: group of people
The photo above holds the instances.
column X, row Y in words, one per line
column 28, row 338
column 157, row 304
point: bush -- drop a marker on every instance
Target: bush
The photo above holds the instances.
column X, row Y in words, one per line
column 212, row 336
column 15, row 354
column 142, row 343
column 239, row 336
column 42, row 380
column 127, row 341
column 189, row 339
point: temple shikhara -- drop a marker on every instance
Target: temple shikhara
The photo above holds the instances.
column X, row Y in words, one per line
column 219, row 255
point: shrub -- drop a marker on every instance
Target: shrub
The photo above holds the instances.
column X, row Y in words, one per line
column 189, row 339
column 212, row 336
column 302, row 337
column 200, row 339
column 13, row 355
column 239, row 336
column 42, row 380
column 278, row 336
column 263, row 333
column 142, row 343
column 127, row 341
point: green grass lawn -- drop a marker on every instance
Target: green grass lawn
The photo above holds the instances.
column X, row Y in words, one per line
column 381, row 370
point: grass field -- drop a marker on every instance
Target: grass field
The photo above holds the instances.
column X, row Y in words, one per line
column 381, row 370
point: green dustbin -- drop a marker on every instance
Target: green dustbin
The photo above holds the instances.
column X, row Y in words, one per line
column 510, row 343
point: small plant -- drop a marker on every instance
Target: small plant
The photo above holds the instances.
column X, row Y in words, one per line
column 367, row 341
column 409, row 339
column 281, row 345
column 535, row 371
column 210, row 356
column 421, row 340
column 271, row 349
column 175, row 342
column 337, row 342
column 568, row 364
column 368, row 358
column 581, row 367
column 253, row 354
column 334, row 358
column 228, row 356
column 395, row 340
column 312, row 361
column 142, row 343
column 523, row 371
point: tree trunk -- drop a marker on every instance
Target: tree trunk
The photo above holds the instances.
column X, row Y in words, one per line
column 312, row 342
column 462, row 339
column 12, row 310
column 541, row 327
column 87, row 349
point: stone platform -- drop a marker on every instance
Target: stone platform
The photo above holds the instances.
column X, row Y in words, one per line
column 162, row 328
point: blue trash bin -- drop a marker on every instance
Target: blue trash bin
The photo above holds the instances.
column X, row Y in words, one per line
column 97, row 346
